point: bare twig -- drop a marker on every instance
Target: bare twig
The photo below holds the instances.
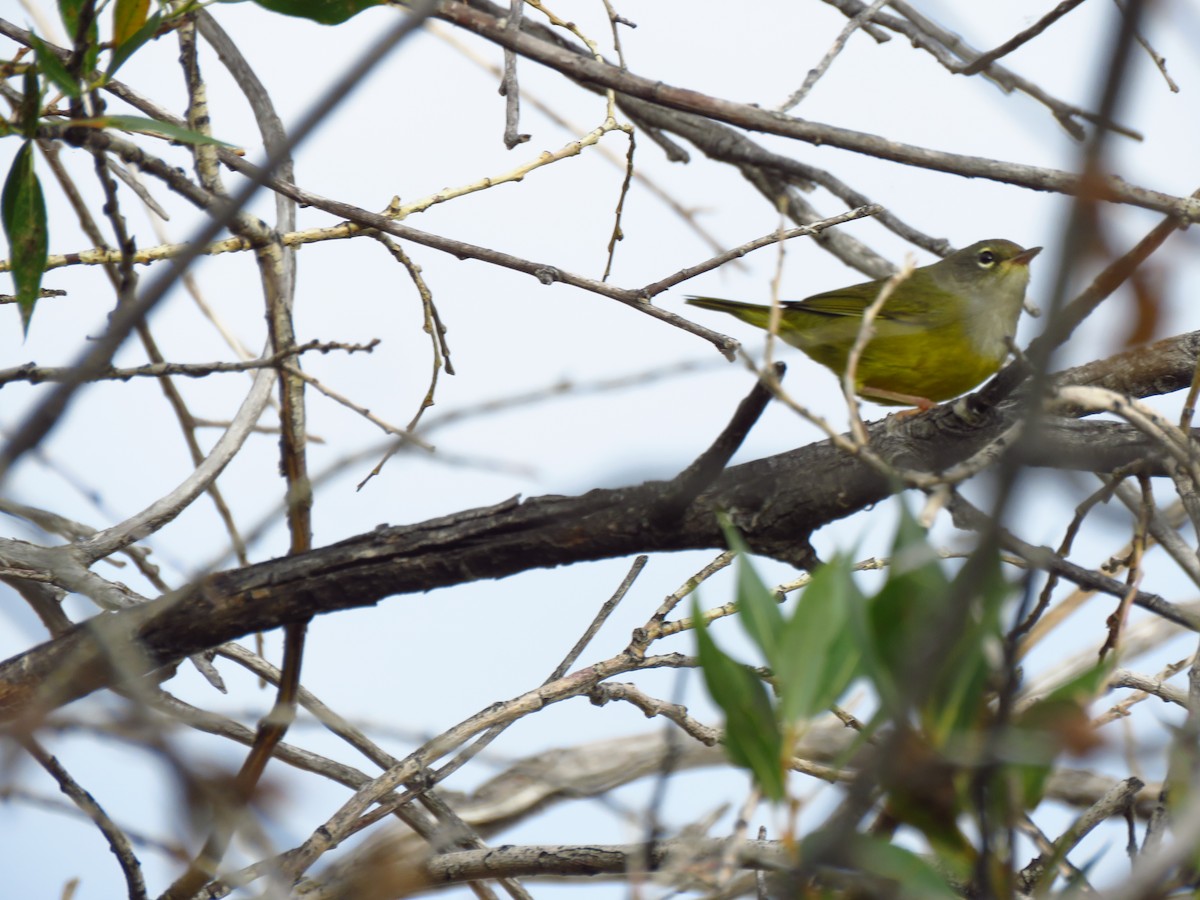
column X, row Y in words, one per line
column 131, row 868
column 983, row 60
column 858, row 21
column 599, row 619
column 35, row 374
column 509, row 87
column 766, row 240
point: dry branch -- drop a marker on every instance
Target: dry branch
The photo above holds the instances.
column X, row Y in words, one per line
column 776, row 502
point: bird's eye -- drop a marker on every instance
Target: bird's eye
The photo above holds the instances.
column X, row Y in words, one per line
column 986, row 258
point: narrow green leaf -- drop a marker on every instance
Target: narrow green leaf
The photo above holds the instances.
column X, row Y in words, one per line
column 128, row 17
column 135, row 41
column 23, row 210
column 752, row 736
column 1029, row 784
column 149, row 126
column 819, row 655
column 68, row 11
column 71, row 12
column 31, row 103
column 52, row 67
column 912, row 876
column 957, row 704
column 757, row 608
column 897, row 620
column 1085, row 686
column 91, row 53
column 326, row 12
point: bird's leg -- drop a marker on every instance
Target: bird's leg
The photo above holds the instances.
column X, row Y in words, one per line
column 921, row 403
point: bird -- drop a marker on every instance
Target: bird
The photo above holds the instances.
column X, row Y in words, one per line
column 943, row 330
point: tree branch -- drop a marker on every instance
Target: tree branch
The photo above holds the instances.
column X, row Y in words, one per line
column 776, row 503
column 754, row 118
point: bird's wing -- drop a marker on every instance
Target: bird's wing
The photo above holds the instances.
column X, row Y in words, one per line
column 926, row 309
column 835, row 303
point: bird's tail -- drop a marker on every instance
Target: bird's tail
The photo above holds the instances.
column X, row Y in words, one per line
column 748, row 312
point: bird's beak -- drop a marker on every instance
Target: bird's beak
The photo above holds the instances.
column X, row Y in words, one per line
column 1023, row 258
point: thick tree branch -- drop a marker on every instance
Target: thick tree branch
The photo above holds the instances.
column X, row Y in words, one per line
column 776, row 502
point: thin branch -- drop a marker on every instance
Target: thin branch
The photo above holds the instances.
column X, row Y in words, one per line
column 950, row 50
column 651, row 706
column 453, row 868
column 276, row 276
column 775, row 237
column 1159, row 61
column 687, row 215
column 509, row 87
column 754, row 118
column 1123, row 678
column 967, row 516
column 168, row 507
column 1113, row 803
column 860, row 20
column 984, row 60
column 131, row 868
column 617, row 234
column 437, row 336
column 543, row 272
column 599, row 619
column 403, row 434
column 35, row 374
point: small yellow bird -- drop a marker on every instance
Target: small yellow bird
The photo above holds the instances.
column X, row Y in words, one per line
column 942, row 331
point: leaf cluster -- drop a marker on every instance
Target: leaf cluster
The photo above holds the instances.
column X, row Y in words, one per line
column 944, row 753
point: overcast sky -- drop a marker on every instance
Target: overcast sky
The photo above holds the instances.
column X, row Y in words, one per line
column 429, row 117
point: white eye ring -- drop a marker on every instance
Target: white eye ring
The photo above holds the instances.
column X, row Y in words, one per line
column 987, row 258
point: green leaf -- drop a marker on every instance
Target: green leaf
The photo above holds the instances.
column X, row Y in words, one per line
column 752, row 736
column 758, row 609
column 913, row 877
column 326, row 12
column 135, row 41
column 1085, row 686
column 957, row 704
column 149, row 126
column 128, row 18
column 71, row 12
column 23, row 210
column 818, row 653
column 895, row 623
column 31, row 103
column 52, row 67
column 68, row 11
